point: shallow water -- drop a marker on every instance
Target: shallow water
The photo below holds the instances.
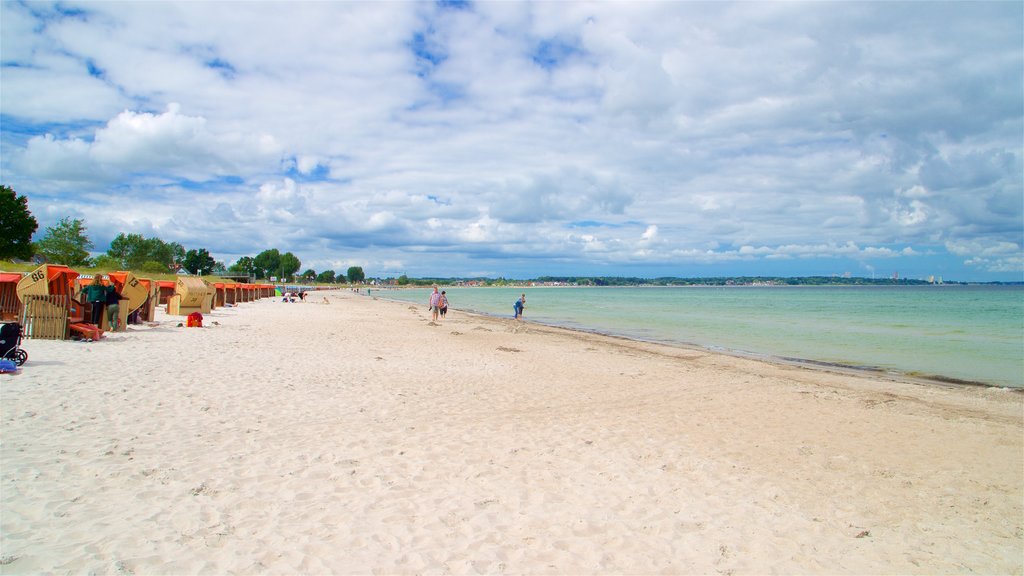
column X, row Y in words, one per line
column 969, row 333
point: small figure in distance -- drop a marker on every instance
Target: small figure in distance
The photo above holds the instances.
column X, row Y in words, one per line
column 435, row 303
column 519, row 306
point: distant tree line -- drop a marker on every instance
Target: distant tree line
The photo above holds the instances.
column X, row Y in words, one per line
column 67, row 243
column 272, row 264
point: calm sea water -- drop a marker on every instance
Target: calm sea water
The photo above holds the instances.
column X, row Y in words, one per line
column 971, row 333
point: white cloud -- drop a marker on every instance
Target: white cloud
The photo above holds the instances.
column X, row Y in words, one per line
column 166, row 144
column 528, row 137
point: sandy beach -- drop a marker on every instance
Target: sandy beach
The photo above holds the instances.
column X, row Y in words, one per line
column 351, row 435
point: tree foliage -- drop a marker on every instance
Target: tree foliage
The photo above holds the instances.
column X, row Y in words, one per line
column 133, row 251
column 244, row 265
column 17, row 225
column 199, row 262
column 107, row 262
column 355, row 274
column 290, row 264
column 267, row 263
column 65, row 243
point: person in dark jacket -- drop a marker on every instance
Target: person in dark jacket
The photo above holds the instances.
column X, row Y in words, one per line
column 113, row 308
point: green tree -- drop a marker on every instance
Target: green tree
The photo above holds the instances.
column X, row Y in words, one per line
column 355, row 274
column 309, row 275
column 106, row 262
column 244, row 265
column 17, row 225
column 65, row 243
column 129, row 250
column 267, row 263
column 403, row 280
column 289, row 265
column 327, row 277
column 134, row 250
column 170, row 254
column 199, row 262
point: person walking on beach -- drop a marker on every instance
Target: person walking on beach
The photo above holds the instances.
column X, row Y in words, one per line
column 443, row 303
column 113, row 300
column 96, row 294
column 435, row 303
column 519, row 306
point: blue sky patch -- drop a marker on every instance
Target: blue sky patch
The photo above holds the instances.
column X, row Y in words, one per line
column 320, row 173
column 222, row 67
column 552, row 52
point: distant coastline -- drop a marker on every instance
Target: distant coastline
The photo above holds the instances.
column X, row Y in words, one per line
column 668, row 281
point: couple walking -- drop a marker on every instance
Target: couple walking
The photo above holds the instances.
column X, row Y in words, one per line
column 438, row 304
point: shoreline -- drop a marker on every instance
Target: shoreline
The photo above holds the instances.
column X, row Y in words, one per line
column 839, row 367
column 359, row 436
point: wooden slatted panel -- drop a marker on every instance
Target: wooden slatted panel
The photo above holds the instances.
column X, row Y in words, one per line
column 45, row 317
column 10, row 305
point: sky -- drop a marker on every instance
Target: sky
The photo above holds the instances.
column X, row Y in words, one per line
column 528, row 139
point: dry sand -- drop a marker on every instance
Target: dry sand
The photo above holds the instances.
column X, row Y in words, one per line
column 359, row 437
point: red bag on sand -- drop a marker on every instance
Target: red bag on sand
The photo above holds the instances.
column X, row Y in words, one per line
column 195, row 320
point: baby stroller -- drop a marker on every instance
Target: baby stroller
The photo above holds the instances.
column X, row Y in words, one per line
column 10, row 342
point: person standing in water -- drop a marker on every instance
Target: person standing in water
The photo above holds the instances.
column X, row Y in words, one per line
column 519, row 306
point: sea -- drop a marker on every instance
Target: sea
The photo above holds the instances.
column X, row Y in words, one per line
column 961, row 334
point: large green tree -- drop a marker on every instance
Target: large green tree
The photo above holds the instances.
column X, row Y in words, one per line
column 309, row 275
column 199, row 262
column 169, row 254
column 289, row 265
column 65, row 243
column 243, row 266
column 134, row 251
column 355, row 274
column 17, row 225
column 326, row 277
column 267, row 263
column 129, row 250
